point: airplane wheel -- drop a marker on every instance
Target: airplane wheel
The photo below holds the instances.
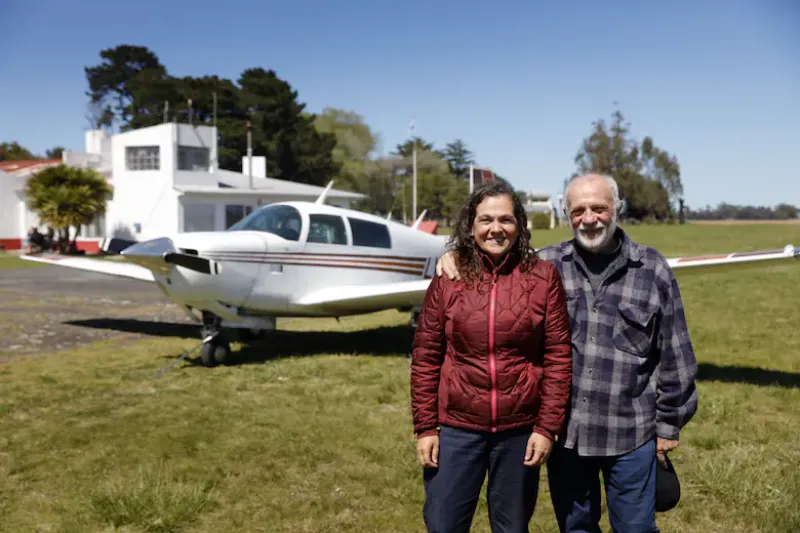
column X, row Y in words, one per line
column 215, row 352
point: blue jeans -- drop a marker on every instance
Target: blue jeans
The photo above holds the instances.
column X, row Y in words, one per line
column 465, row 457
column 630, row 483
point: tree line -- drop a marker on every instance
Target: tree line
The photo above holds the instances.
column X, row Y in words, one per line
column 13, row 151
column 726, row 211
column 130, row 88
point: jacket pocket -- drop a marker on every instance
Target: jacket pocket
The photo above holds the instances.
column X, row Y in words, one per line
column 634, row 329
column 459, row 396
column 527, row 391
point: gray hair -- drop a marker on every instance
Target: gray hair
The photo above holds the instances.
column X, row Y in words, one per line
column 612, row 184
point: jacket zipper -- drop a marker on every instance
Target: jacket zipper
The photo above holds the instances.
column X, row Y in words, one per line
column 492, row 364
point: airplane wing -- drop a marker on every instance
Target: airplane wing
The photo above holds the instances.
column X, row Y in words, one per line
column 366, row 298
column 735, row 260
column 114, row 268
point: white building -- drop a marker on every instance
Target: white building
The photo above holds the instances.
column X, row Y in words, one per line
column 165, row 180
column 540, row 202
column 15, row 218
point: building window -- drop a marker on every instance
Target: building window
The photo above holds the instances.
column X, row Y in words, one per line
column 370, row 234
column 142, row 158
column 235, row 213
column 193, row 158
column 326, row 229
column 198, row 217
column 96, row 229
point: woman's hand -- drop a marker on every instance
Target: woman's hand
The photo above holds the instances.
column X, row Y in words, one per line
column 538, row 450
column 428, row 451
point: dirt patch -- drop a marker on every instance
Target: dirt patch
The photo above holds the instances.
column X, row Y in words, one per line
column 48, row 309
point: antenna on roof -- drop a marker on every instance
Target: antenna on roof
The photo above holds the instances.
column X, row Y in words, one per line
column 321, row 199
column 417, row 222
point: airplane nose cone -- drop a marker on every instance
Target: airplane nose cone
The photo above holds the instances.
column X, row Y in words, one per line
column 150, row 254
column 154, row 247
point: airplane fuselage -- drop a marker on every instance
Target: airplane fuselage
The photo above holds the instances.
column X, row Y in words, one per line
column 269, row 260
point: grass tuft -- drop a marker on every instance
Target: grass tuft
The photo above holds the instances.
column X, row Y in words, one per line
column 151, row 499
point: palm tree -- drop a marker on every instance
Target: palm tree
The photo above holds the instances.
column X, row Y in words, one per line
column 65, row 197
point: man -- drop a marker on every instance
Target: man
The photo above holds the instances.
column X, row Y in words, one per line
column 633, row 385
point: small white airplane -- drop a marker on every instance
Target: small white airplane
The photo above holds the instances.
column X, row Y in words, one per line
column 288, row 259
column 302, row 259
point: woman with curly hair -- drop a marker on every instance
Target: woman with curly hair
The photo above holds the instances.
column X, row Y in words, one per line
column 490, row 370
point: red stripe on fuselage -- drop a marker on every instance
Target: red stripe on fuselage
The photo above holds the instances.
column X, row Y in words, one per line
column 414, row 270
column 300, row 258
column 420, row 260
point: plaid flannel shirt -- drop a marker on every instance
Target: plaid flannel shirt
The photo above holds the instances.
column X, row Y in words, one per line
column 633, row 363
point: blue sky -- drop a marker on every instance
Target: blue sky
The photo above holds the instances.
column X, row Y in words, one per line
column 715, row 83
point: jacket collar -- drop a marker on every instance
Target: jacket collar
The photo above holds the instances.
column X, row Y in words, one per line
column 630, row 250
column 505, row 265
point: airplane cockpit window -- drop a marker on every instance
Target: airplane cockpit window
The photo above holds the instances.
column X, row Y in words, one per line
column 326, row 229
column 281, row 220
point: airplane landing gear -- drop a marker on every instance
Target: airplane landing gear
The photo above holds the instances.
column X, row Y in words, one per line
column 414, row 318
column 215, row 352
column 218, row 334
column 216, row 348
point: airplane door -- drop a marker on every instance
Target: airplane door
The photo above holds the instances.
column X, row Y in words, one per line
column 241, row 255
column 276, row 283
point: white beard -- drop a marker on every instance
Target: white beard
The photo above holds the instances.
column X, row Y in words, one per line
column 599, row 241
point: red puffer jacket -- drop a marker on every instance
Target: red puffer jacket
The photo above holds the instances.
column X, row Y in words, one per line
column 493, row 356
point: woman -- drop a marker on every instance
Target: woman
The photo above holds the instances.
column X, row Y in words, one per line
column 490, row 370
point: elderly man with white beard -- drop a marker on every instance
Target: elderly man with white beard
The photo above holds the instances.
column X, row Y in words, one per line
column 633, row 386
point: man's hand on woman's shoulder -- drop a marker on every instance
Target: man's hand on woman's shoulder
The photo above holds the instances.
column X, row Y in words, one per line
column 447, row 265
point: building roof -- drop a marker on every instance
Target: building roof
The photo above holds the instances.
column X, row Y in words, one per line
column 540, row 195
column 538, row 208
column 238, row 183
column 28, row 165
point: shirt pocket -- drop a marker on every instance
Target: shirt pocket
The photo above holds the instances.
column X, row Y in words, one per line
column 634, row 329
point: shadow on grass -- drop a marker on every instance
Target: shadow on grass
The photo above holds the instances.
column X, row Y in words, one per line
column 749, row 375
column 394, row 340
column 380, row 341
column 384, row 341
column 144, row 327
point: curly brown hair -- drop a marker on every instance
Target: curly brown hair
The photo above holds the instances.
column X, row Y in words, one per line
column 463, row 243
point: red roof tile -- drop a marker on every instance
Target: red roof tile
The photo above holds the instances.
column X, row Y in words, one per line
column 15, row 166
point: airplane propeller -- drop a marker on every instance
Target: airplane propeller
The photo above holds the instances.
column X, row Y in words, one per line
column 159, row 254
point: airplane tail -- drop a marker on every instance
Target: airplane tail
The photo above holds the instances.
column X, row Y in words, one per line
column 426, row 226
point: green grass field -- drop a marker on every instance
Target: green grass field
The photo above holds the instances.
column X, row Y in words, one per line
column 10, row 260
column 321, row 441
